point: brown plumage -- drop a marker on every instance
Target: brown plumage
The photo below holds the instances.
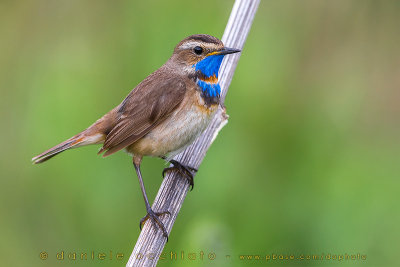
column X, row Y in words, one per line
column 143, row 109
column 161, row 115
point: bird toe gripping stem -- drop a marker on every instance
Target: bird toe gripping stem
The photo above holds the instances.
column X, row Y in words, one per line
column 154, row 217
column 186, row 171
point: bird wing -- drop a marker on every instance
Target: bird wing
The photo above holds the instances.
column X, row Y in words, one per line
column 150, row 103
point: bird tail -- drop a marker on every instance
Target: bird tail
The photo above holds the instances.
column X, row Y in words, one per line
column 78, row 140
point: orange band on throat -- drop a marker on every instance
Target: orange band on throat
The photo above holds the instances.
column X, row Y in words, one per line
column 211, row 79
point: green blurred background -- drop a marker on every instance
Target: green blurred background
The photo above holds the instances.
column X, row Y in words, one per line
column 308, row 163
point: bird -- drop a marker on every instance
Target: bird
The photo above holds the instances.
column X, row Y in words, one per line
column 162, row 115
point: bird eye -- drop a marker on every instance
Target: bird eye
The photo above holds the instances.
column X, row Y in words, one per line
column 198, row 50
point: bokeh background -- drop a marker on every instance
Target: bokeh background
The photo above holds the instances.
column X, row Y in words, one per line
column 308, row 163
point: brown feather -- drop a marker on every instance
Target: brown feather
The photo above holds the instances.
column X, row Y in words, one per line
column 144, row 108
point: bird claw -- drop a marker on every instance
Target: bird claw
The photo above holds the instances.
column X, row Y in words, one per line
column 153, row 216
column 186, row 171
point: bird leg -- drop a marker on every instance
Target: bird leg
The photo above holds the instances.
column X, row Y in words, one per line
column 186, row 171
column 153, row 216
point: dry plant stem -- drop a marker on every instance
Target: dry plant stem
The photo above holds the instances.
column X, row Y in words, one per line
column 174, row 187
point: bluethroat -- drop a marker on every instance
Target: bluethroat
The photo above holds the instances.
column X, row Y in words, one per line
column 163, row 114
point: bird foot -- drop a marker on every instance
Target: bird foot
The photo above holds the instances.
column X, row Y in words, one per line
column 154, row 217
column 186, row 171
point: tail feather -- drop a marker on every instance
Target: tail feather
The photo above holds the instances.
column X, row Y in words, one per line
column 75, row 141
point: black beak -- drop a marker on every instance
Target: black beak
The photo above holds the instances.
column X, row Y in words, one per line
column 227, row 50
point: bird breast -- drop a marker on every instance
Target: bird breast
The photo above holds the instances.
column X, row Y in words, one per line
column 179, row 130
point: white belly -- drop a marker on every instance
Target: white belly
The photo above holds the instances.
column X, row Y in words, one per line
column 174, row 134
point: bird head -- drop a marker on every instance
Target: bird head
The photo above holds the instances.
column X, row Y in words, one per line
column 201, row 54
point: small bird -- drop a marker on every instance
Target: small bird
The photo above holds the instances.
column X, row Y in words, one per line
column 163, row 114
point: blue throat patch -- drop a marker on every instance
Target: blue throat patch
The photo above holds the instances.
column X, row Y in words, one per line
column 209, row 67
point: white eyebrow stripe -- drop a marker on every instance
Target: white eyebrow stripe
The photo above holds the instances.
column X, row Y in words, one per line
column 189, row 45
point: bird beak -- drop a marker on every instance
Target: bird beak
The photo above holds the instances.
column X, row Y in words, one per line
column 227, row 50
column 224, row 51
